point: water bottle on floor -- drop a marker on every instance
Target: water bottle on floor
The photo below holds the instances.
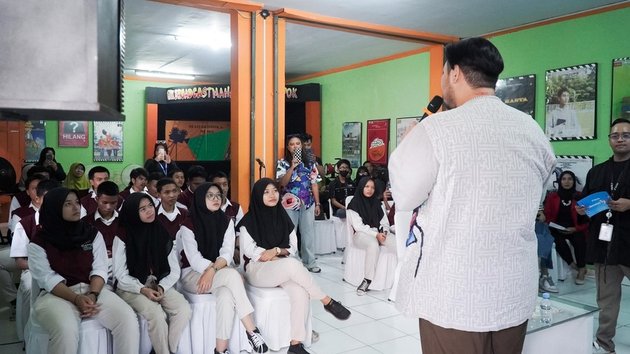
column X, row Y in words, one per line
column 545, row 309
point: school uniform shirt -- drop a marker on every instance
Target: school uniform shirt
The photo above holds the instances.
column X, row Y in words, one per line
column 192, row 259
column 171, row 221
column 354, row 219
column 24, row 230
column 19, row 200
column 186, row 197
column 252, row 251
column 89, row 203
column 233, row 210
column 20, row 213
column 109, row 229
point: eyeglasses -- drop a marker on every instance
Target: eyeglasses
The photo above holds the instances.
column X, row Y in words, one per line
column 211, row 196
column 616, row 136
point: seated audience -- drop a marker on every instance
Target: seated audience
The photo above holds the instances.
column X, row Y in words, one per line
column 269, row 249
column 362, row 171
column 76, row 179
column 161, row 162
column 96, row 176
column 137, row 182
column 178, row 176
column 545, row 245
column 151, row 188
column 48, row 161
column 195, row 176
column 340, row 188
column 68, row 259
column 231, row 208
column 169, row 214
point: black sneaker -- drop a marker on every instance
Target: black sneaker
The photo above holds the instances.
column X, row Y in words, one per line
column 337, row 310
column 297, row 349
column 223, row 352
column 257, row 342
column 363, row 287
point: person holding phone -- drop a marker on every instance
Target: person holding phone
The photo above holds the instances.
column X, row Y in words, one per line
column 369, row 222
column 298, row 177
column 161, row 161
column 48, row 161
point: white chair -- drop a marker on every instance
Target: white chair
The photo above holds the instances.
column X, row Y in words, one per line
column 23, row 304
column 325, row 242
column 340, row 229
column 354, row 268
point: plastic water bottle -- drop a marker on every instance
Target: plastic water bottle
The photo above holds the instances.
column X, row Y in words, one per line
column 545, row 309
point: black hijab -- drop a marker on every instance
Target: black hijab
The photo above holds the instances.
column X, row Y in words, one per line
column 208, row 226
column 567, row 194
column 269, row 226
column 62, row 234
column 369, row 209
column 148, row 244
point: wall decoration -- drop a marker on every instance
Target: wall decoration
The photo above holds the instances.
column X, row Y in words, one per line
column 378, row 141
column 571, row 99
column 351, row 143
column 108, row 141
column 580, row 165
column 518, row 92
column 73, row 134
column 198, row 140
column 403, row 125
column 34, row 138
column 620, row 105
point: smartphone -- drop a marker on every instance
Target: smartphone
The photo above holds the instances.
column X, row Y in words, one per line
column 298, row 154
column 49, row 157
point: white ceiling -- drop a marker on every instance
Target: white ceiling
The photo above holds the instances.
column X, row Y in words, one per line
column 152, row 29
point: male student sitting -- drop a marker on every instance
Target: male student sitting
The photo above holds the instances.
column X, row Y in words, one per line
column 169, row 214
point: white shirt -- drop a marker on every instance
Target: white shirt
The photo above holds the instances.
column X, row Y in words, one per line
column 14, row 205
column 19, row 244
column 251, row 250
column 478, row 171
column 47, row 278
column 92, row 194
column 130, row 283
column 357, row 224
column 239, row 213
column 15, row 219
column 197, row 262
column 169, row 215
column 107, row 222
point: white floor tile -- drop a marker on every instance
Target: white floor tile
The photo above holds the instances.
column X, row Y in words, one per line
column 355, row 318
column 404, row 345
column 404, row 324
column 335, row 342
column 364, row 350
column 372, row 332
column 377, row 310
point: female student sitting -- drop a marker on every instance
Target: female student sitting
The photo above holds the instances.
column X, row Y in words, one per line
column 370, row 225
column 269, row 247
column 146, row 268
column 68, row 259
column 208, row 241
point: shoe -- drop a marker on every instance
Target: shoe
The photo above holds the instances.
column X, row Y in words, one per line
column 257, row 342
column 337, row 310
column 314, row 337
column 546, row 284
column 363, row 287
column 227, row 351
column 597, row 349
column 315, row 269
column 579, row 279
column 297, row 349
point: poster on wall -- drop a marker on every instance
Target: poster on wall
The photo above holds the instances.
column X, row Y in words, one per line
column 198, row 140
column 403, row 125
column 108, row 142
column 34, row 138
column 518, row 92
column 579, row 165
column 73, row 134
column 351, row 143
column 571, row 98
column 620, row 105
column 378, row 141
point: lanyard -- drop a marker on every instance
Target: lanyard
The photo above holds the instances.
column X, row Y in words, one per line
column 614, row 185
column 163, row 167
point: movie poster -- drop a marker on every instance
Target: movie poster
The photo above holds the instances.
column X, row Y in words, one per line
column 378, row 141
column 73, row 134
column 108, row 142
column 35, row 139
column 351, row 143
column 518, row 92
column 198, row 140
column 403, row 125
column 580, row 165
column 620, row 104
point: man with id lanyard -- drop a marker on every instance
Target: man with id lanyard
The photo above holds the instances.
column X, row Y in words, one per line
column 611, row 258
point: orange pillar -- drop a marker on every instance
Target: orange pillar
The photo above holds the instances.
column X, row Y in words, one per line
column 314, row 124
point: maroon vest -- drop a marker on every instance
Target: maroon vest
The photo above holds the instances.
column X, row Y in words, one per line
column 173, row 226
column 186, row 198
column 108, row 231
column 232, row 210
column 89, row 203
column 73, row 265
column 29, row 225
column 23, row 198
column 23, row 211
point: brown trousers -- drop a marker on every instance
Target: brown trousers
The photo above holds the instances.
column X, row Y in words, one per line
column 437, row 340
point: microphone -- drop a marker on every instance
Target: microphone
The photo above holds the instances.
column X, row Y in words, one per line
column 262, row 164
column 432, row 107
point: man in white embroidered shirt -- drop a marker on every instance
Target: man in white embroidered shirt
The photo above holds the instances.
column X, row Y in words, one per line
column 477, row 170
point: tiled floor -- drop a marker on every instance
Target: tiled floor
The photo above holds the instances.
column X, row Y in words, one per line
column 375, row 325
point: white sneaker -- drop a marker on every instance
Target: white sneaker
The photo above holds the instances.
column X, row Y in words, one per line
column 597, row 349
column 546, row 284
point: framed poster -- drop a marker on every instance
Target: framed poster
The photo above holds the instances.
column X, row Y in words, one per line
column 580, row 165
column 34, row 138
column 378, row 141
column 571, row 98
column 351, row 143
column 108, row 141
column 403, row 125
column 518, row 92
column 198, row 140
column 620, row 105
column 73, row 134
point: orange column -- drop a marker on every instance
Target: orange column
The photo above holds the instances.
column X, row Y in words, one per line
column 314, row 124
column 281, row 97
column 151, row 129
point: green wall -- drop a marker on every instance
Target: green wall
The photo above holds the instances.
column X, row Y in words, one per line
column 594, row 39
column 133, row 133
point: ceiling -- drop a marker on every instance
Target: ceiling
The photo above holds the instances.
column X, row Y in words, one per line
column 170, row 39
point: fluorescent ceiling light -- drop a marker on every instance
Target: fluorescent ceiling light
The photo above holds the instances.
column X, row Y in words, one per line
column 164, row 75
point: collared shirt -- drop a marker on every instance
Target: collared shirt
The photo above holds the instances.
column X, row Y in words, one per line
column 15, row 218
column 302, row 179
column 356, row 222
column 239, row 213
column 171, row 216
column 251, row 250
column 191, row 249
column 19, row 244
column 107, row 222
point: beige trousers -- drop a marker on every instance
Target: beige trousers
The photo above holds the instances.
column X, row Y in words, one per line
column 61, row 319
column 289, row 274
column 227, row 286
column 164, row 334
column 372, row 249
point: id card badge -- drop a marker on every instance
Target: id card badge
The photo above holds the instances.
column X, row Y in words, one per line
column 605, row 232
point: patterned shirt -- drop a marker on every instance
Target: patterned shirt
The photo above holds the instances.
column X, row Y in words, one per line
column 301, row 180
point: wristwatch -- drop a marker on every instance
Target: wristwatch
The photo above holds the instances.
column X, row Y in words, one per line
column 278, row 250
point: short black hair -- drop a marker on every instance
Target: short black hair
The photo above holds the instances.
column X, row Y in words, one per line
column 36, row 169
column 479, row 60
column 561, row 90
column 137, row 172
column 46, row 185
column 344, row 161
column 219, row 174
column 35, row 177
column 196, row 171
column 108, row 188
column 619, row 121
column 172, row 171
column 163, row 182
column 307, row 137
column 97, row 169
column 154, row 176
